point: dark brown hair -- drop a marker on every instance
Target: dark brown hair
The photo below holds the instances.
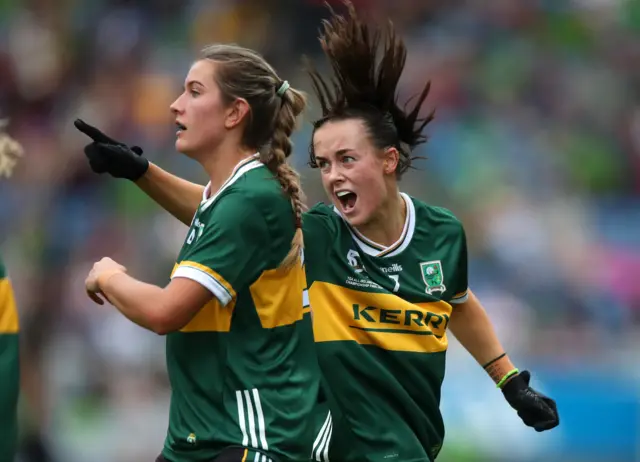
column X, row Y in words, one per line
column 243, row 73
column 364, row 87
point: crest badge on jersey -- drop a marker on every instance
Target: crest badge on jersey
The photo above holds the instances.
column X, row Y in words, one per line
column 433, row 276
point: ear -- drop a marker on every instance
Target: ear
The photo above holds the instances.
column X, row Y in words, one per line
column 391, row 160
column 236, row 113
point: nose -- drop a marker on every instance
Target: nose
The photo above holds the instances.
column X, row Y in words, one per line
column 176, row 106
column 334, row 175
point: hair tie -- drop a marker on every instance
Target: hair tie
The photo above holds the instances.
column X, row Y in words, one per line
column 283, row 88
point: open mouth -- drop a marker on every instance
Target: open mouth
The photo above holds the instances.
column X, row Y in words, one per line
column 347, row 200
column 181, row 127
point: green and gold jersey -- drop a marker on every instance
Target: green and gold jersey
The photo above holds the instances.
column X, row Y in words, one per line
column 9, row 368
column 243, row 371
column 380, row 316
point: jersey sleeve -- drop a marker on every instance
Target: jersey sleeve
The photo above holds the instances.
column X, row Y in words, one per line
column 461, row 285
column 230, row 248
column 8, row 312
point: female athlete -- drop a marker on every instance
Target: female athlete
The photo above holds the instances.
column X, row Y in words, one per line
column 387, row 273
column 240, row 356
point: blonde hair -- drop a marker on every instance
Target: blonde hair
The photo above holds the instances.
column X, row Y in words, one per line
column 10, row 152
column 275, row 107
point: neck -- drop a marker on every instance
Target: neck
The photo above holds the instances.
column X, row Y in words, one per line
column 386, row 227
column 219, row 164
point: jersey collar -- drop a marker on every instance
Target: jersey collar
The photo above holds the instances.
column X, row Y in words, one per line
column 378, row 250
column 240, row 169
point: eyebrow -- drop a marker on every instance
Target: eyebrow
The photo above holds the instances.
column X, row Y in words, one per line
column 191, row 83
column 339, row 152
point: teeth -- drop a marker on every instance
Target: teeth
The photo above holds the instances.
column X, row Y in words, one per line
column 342, row 193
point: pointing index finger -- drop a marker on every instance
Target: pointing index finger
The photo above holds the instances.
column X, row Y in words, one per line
column 92, row 132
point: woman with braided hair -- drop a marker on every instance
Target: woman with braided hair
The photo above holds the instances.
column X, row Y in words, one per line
column 387, row 273
column 240, row 353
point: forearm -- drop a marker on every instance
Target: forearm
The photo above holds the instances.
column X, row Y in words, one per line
column 177, row 196
column 140, row 302
column 471, row 325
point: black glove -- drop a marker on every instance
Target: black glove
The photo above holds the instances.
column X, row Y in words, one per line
column 535, row 409
column 107, row 155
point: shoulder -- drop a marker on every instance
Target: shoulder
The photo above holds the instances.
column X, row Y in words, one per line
column 321, row 209
column 257, row 194
column 260, row 188
column 254, row 206
column 321, row 216
column 439, row 219
column 232, row 216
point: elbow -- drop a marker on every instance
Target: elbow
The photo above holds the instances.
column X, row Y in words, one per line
column 161, row 329
column 173, row 311
column 163, row 324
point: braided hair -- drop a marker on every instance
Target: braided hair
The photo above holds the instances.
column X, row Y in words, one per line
column 275, row 107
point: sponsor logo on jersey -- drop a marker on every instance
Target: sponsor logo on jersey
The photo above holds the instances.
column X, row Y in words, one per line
column 399, row 321
column 354, row 259
column 361, row 279
column 395, row 268
column 433, row 276
column 379, row 318
column 197, row 228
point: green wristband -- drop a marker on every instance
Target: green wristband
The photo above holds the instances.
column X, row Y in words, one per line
column 507, row 376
